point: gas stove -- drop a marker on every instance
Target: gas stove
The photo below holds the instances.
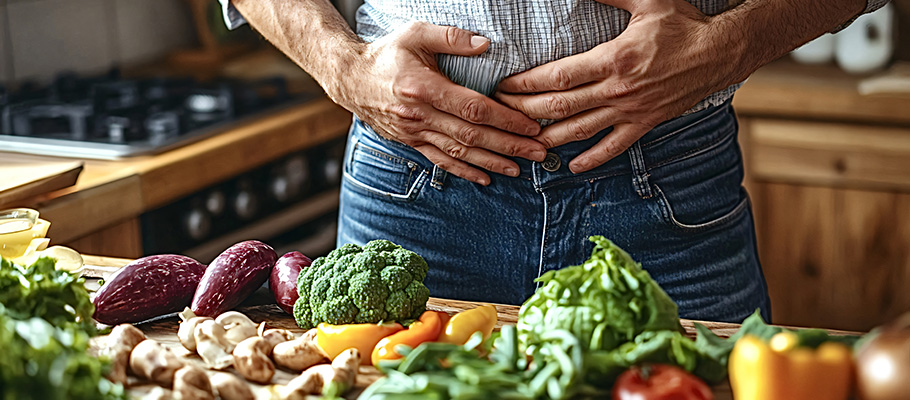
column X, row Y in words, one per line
column 111, row 117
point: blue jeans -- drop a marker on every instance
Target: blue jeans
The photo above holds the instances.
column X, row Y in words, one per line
column 674, row 201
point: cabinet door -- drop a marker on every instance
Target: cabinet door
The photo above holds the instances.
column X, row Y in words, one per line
column 832, row 218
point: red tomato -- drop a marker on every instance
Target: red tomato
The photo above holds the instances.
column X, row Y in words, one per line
column 660, row 382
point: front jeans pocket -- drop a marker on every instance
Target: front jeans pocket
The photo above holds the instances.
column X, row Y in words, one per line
column 702, row 190
column 714, row 222
column 384, row 175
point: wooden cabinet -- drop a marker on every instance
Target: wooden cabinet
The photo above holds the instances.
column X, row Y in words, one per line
column 831, row 197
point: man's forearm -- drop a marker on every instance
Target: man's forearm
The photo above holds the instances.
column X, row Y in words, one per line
column 760, row 31
column 311, row 32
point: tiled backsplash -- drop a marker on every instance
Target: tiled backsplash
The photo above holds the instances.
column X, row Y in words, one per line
column 40, row 38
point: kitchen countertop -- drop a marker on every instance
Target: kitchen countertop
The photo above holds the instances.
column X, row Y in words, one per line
column 261, row 308
column 108, row 192
column 787, row 89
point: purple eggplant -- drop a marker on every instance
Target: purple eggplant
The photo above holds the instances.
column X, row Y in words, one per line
column 148, row 287
column 232, row 277
column 283, row 280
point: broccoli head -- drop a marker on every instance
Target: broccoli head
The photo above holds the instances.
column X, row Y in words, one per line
column 379, row 281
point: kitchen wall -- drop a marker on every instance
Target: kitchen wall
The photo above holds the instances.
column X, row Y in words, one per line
column 39, row 38
column 902, row 51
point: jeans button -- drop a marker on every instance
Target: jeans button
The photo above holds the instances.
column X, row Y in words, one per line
column 551, row 163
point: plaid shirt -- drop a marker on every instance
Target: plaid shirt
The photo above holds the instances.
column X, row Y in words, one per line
column 523, row 33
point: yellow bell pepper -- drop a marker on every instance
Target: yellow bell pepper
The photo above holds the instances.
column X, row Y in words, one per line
column 462, row 325
column 334, row 339
column 781, row 370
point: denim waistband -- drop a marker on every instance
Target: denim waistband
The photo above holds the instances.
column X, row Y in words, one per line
column 654, row 148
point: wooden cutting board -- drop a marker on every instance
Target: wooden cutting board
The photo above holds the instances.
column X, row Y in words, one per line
column 23, row 176
column 260, row 307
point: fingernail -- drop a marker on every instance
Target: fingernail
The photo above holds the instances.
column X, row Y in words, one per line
column 532, row 130
column 511, row 171
column 538, row 155
column 477, row 41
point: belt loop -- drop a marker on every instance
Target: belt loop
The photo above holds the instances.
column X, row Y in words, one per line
column 439, row 176
column 639, row 172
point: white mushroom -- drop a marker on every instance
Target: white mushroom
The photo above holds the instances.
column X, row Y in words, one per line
column 120, row 344
column 152, row 361
column 212, row 345
column 186, row 332
column 186, row 314
column 159, row 393
column 238, row 326
column 192, row 383
column 229, row 387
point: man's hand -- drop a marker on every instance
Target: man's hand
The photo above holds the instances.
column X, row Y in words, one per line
column 664, row 63
column 395, row 86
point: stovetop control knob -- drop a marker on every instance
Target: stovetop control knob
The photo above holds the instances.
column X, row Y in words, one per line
column 280, row 188
column 197, row 224
column 215, row 202
column 246, row 205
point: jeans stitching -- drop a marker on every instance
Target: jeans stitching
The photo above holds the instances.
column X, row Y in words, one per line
column 667, row 211
column 412, row 188
column 696, row 152
column 543, row 237
column 688, row 126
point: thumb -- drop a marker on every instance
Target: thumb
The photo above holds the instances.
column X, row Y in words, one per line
column 449, row 40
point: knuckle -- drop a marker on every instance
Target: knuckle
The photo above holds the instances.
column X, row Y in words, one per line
column 558, row 106
column 408, row 89
column 474, row 110
column 623, row 62
column 548, row 142
column 624, row 88
column 560, row 78
column 408, row 112
column 456, row 151
column 580, row 130
column 613, row 148
column 469, row 135
column 489, row 165
column 453, row 35
column 512, row 149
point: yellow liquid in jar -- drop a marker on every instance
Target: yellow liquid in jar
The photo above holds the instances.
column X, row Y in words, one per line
column 15, row 236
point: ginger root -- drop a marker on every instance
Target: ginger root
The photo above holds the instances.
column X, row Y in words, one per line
column 298, row 354
column 274, row 336
column 251, row 359
column 329, row 380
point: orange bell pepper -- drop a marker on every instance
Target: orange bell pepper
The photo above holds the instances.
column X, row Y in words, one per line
column 781, row 370
column 426, row 329
column 334, row 339
column 462, row 325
